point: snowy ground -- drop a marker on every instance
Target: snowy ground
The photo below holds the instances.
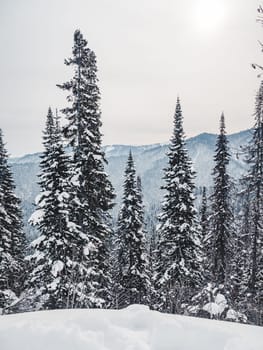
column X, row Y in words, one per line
column 134, row 328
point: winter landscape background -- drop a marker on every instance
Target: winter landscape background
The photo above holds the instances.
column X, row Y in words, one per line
column 150, row 162
column 131, row 204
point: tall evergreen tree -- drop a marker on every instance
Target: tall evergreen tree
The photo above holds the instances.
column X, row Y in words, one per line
column 132, row 273
column 253, row 226
column 178, row 268
column 93, row 192
column 12, row 238
column 241, row 254
column 222, row 216
column 52, row 282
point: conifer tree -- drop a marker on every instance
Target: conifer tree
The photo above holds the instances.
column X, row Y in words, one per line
column 253, row 183
column 221, row 216
column 241, row 256
column 92, row 190
column 132, row 273
column 178, row 269
column 12, row 238
column 256, row 192
column 52, row 282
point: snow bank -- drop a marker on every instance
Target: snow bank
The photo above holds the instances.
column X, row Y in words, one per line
column 134, row 328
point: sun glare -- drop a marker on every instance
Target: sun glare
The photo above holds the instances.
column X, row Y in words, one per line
column 209, row 15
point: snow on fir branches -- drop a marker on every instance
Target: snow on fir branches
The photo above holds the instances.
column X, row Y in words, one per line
column 132, row 267
column 12, row 238
column 91, row 190
column 178, row 270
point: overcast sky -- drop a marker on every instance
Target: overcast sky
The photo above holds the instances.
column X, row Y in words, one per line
column 148, row 52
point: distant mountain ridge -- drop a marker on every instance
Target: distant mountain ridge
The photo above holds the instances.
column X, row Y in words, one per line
column 150, row 161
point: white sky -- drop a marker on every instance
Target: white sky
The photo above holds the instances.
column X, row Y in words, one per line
column 148, row 52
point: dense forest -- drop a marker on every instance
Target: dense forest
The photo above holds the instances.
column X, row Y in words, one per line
column 182, row 258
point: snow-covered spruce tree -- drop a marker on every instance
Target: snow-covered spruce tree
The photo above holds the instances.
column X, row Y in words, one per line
column 253, row 182
column 240, row 250
column 221, row 219
column 178, row 271
column 12, row 238
column 54, row 264
column 91, row 188
column 220, row 246
column 132, row 275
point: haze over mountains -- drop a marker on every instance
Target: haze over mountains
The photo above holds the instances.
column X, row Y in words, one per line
column 150, row 161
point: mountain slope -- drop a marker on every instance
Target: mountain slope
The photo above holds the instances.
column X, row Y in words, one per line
column 150, row 161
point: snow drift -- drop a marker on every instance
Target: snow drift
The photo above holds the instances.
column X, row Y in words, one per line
column 133, row 328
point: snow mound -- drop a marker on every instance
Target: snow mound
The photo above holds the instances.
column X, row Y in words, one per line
column 133, row 328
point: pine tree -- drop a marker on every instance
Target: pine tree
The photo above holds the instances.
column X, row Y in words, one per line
column 132, row 273
column 241, row 255
column 253, row 183
column 178, row 269
column 12, row 238
column 222, row 216
column 93, row 192
column 52, row 282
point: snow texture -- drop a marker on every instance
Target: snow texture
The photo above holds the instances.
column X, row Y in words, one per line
column 133, row 328
column 57, row 267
